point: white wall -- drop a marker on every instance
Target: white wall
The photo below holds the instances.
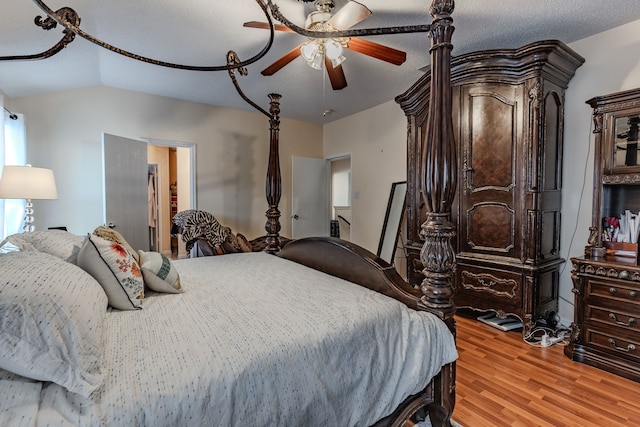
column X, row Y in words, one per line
column 377, row 141
column 64, row 133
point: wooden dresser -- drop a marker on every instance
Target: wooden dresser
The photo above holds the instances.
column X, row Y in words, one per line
column 606, row 281
column 606, row 333
column 508, row 112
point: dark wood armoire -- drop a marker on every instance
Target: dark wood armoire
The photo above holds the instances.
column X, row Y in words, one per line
column 508, row 112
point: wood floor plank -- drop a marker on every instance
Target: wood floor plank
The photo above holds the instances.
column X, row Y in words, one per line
column 503, row 381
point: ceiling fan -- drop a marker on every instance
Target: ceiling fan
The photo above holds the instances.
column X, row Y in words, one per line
column 328, row 51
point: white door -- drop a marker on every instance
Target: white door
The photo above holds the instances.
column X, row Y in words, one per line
column 126, row 189
column 309, row 197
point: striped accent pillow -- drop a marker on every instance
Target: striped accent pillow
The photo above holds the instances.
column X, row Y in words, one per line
column 159, row 273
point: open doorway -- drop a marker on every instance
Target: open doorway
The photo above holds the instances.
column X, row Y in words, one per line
column 321, row 197
column 174, row 166
column 340, row 199
column 137, row 189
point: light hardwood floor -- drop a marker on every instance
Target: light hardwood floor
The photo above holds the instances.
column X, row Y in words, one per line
column 503, row 381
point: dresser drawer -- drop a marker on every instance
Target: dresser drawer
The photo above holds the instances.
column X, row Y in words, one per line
column 613, row 317
column 612, row 293
column 613, row 344
column 493, row 284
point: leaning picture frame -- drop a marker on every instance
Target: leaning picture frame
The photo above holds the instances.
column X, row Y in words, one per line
column 392, row 221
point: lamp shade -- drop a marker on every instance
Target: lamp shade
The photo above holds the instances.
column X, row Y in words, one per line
column 26, row 182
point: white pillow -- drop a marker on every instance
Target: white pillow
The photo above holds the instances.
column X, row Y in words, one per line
column 59, row 243
column 115, row 269
column 159, row 273
column 51, row 321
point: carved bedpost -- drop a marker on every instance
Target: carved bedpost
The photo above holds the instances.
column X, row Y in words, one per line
column 274, row 180
column 439, row 169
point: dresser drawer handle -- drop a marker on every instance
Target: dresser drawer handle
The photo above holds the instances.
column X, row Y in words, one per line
column 614, row 291
column 630, row 322
column 629, row 348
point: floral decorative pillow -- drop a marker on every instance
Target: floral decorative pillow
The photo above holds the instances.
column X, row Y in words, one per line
column 111, row 234
column 159, row 273
column 52, row 316
column 60, row 243
column 115, row 269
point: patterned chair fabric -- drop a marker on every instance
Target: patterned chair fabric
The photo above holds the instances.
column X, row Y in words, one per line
column 196, row 224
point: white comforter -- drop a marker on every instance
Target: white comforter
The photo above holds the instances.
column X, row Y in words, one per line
column 254, row 340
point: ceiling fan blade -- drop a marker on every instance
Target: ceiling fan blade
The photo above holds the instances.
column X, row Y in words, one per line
column 284, row 60
column 265, row 26
column 336, row 75
column 376, row 50
column 349, row 15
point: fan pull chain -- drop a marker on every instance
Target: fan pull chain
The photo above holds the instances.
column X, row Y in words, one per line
column 324, row 87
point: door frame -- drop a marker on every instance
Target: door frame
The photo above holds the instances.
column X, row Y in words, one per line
column 193, row 203
column 329, row 160
column 192, row 162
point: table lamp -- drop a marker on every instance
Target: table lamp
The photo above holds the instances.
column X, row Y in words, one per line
column 26, row 182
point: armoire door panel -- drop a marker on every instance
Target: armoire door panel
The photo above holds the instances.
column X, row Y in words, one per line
column 490, row 145
column 547, row 288
column 490, row 155
column 490, row 227
column 552, row 153
column 550, row 235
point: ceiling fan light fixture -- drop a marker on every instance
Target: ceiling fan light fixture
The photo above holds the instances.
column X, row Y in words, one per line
column 310, row 50
column 333, row 50
column 339, row 60
column 317, row 61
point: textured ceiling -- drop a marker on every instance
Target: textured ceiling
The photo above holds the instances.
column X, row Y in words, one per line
column 201, row 32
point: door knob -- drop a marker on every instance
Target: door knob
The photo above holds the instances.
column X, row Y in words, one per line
column 111, row 225
column 296, row 217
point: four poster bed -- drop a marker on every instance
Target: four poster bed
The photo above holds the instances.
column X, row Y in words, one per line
column 315, row 332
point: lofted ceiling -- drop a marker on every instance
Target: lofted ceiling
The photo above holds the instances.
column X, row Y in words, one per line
column 201, row 32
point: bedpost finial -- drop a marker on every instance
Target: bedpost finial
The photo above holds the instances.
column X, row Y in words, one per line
column 275, row 98
column 274, row 106
column 441, row 7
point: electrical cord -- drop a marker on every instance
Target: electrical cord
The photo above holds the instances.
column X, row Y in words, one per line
column 542, row 336
column 571, row 303
column 584, row 179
